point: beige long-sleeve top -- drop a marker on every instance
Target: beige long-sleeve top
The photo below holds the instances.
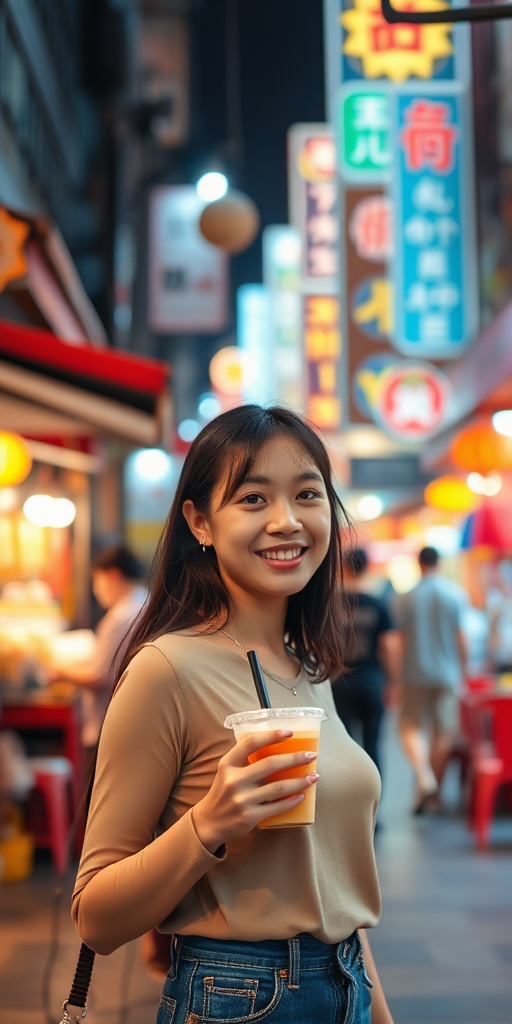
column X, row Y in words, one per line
column 143, row 864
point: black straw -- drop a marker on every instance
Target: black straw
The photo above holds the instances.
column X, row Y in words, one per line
column 259, row 681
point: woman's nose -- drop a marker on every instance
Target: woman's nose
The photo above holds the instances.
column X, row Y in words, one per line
column 283, row 520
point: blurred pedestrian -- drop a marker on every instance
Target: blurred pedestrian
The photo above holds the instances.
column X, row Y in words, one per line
column 372, row 660
column 117, row 587
column 430, row 620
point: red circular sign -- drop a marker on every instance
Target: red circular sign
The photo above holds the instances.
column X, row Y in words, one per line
column 412, row 400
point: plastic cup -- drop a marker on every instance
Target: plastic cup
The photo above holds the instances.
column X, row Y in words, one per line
column 305, row 725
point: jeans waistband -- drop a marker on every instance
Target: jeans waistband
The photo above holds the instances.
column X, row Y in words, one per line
column 292, row 955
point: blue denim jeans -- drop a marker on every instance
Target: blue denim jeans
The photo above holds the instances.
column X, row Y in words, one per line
column 294, row 981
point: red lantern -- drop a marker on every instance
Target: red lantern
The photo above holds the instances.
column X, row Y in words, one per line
column 480, row 449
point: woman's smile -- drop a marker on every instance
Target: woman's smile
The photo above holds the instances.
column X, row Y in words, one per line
column 284, row 556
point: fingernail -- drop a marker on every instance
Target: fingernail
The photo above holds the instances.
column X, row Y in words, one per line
column 285, row 732
column 310, row 754
column 313, row 777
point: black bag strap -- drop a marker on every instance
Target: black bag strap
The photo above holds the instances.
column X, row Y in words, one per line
column 75, row 1006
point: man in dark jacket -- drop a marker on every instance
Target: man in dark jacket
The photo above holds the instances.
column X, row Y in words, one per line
column 371, row 660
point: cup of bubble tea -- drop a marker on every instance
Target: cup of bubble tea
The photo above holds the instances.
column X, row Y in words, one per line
column 305, row 725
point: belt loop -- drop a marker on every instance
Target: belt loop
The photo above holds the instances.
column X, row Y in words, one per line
column 293, row 963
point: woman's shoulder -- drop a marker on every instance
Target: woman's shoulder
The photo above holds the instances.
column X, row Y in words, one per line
column 188, row 651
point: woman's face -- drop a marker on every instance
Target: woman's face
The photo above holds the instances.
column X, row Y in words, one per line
column 274, row 532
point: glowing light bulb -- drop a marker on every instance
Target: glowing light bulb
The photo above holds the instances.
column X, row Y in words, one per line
column 212, row 186
column 152, row 464
column 370, row 507
column 502, row 422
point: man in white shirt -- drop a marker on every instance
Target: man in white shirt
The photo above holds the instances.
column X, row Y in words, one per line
column 430, row 621
column 116, row 576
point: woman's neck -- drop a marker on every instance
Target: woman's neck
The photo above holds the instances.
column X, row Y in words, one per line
column 258, row 623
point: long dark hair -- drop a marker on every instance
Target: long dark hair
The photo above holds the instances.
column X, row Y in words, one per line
column 186, row 587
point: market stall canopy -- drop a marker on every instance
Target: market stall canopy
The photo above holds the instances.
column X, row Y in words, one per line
column 39, row 282
column 49, row 388
column 480, row 382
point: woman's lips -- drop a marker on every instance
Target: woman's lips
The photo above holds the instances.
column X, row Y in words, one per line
column 283, row 558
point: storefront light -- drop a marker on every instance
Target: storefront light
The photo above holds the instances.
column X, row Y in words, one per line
column 43, row 510
column 502, row 422
column 209, row 406
column 151, row 464
column 370, row 507
column 63, row 512
column 8, row 499
column 488, row 485
column 212, row 186
column 15, row 459
column 446, row 539
column 188, row 430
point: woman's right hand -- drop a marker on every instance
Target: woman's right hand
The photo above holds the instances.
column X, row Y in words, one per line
column 240, row 798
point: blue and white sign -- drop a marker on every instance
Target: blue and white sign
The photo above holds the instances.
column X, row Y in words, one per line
column 436, row 288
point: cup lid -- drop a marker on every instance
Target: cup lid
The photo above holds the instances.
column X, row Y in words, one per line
column 264, row 714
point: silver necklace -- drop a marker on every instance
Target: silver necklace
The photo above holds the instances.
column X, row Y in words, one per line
column 267, row 673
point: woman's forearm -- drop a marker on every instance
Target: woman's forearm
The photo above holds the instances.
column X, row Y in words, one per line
column 380, row 1010
column 128, row 898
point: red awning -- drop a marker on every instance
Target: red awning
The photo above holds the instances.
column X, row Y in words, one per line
column 84, row 364
column 50, row 388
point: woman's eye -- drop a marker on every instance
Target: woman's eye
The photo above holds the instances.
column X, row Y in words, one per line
column 308, row 495
column 251, row 499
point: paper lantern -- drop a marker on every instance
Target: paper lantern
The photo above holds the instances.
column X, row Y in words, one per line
column 231, row 223
column 479, row 449
column 450, row 494
column 15, row 459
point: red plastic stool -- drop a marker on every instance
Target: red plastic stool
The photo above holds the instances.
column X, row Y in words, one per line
column 53, row 778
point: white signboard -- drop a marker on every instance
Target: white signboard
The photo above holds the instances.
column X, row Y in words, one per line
column 188, row 277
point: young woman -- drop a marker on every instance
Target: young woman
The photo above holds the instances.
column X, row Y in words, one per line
column 265, row 923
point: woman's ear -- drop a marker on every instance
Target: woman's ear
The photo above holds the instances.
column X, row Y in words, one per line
column 197, row 523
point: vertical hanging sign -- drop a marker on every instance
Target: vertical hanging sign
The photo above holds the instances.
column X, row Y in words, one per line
column 314, row 213
column 434, row 264
column 375, row 72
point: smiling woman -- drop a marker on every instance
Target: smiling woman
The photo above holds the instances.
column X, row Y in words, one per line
column 250, row 558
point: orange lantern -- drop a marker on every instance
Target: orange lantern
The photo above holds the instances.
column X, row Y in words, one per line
column 480, row 449
column 451, row 494
column 232, row 222
column 15, row 459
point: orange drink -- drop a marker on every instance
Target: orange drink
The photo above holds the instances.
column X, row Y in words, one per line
column 305, row 723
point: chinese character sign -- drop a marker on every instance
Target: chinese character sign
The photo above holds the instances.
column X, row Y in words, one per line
column 313, row 202
column 435, row 276
column 362, row 45
column 188, row 277
column 363, row 134
column 322, row 342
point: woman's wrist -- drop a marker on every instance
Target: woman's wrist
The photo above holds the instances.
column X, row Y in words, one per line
column 208, row 836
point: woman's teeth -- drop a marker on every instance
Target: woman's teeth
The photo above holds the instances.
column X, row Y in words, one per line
column 282, row 556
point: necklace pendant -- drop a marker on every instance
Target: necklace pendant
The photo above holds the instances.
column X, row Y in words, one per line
column 294, row 691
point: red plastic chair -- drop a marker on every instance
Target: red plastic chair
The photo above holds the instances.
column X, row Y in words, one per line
column 53, row 780
column 480, row 684
column 491, row 761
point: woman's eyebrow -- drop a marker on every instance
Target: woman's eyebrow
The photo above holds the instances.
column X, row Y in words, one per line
column 310, row 474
